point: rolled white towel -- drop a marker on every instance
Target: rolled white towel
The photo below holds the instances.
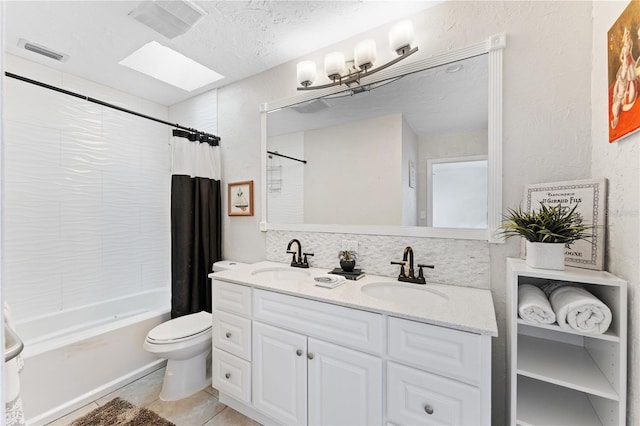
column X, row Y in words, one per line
column 533, row 305
column 578, row 309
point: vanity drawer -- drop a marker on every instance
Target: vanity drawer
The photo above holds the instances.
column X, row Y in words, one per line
column 441, row 350
column 231, row 375
column 416, row 397
column 337, row 324
column 233, row 298
column 232, row 333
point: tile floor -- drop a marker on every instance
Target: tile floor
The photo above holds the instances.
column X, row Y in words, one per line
column 200, row 409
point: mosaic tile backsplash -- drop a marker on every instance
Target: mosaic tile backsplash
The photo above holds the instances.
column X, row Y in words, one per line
column 457, row 262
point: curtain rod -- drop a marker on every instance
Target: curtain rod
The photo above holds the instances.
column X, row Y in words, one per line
column 211, row 139
column 285, row 156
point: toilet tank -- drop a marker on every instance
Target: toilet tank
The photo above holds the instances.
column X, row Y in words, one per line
column 224, row 265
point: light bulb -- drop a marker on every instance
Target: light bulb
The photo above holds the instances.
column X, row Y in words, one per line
column 365, row 54
column 401, row 37
column 306, row 73
column 334, row 65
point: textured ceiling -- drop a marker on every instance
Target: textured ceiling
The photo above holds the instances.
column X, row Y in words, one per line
column 236, row 38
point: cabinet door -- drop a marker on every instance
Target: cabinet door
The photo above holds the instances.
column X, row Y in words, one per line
column 345, row 386
column 280, row 374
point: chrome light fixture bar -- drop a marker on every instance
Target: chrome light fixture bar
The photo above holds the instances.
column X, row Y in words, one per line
column 364, row 56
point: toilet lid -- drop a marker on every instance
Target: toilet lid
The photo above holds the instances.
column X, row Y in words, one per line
column 182, row 327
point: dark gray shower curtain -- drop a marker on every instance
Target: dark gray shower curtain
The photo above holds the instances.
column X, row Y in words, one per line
column 196, row 238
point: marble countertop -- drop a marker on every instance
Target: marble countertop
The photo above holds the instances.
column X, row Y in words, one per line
column 467, row 309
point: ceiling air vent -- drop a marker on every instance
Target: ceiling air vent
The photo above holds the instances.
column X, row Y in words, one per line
column 169, row 18
column 309, row 107
column 41, row 50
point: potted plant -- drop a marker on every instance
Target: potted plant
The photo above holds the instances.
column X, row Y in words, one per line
column 347, row 259
column 547, row 232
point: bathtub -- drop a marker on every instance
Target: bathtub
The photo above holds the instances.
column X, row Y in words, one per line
column 75, row 356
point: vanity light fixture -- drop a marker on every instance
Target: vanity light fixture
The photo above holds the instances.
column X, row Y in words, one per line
column 350, row 72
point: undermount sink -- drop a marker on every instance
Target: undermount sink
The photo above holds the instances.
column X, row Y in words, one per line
column 398, row 292
column 281, row 273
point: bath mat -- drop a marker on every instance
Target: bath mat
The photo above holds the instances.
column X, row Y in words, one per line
column 119, row 412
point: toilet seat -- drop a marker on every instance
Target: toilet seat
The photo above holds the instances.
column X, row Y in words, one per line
column 182, row 328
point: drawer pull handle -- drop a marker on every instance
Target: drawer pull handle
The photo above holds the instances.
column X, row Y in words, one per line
column 228, row 334
column 299, row 352
column 428, row 409
column 310, row 355
column 227, row 375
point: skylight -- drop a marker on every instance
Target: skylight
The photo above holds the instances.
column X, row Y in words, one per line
column 169, row 66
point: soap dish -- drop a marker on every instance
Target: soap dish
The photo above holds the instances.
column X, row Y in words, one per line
column 328, row 281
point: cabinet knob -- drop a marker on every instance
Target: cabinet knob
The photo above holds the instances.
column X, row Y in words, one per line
column 228, row 334
column 428, row 409
column 299, row 352
column 227, row 375
column 310, row 355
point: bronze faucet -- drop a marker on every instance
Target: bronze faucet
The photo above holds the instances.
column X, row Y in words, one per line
column 299, row 261
column 411, row 278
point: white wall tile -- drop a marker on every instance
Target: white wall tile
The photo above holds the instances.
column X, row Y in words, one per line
column 457, row 262
column 86, row 209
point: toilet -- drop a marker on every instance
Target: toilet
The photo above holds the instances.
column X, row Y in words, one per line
column 185, row 342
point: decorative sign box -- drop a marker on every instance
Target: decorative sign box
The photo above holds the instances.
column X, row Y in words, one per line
column 591, row 197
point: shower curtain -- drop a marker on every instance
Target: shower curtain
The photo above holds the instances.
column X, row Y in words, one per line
column 196, row 221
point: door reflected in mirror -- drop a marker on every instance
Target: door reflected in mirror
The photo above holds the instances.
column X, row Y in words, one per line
column 368, row 154
column 457, row 193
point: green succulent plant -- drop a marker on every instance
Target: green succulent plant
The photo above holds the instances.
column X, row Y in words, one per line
column 347, row 255
column 556, row 224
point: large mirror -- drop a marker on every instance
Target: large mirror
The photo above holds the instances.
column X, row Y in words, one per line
column 408, row 154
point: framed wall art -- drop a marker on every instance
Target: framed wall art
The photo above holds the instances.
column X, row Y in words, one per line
column 240, row 198
column 623, row 61
column 591, row 198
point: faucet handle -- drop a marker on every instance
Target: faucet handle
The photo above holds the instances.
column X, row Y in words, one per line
column 293, row 259
column 420, row 265
column 305, row 257
column 420, row 273
column 402, row 265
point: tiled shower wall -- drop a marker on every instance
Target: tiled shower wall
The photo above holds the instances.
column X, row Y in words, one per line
column 86, row 208
column 457, row 262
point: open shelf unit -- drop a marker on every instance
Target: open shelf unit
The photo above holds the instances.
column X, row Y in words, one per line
column 561, row 377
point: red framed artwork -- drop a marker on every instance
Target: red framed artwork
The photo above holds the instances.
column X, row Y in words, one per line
column 624, row 73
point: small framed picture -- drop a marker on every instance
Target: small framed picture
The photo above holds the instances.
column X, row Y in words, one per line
column 240, row 198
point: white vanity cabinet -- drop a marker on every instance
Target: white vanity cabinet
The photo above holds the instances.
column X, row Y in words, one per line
column 437, row 376
column 299, row 379
column 318, row 363
column 564, row 377
column 293, row 359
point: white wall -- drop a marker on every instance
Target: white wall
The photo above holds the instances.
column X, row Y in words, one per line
column 199, row 112
column 285, row 179
column 620, row 163
column 547, row 121
column 86, row 202
column 338, row 157
column 409, row 194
